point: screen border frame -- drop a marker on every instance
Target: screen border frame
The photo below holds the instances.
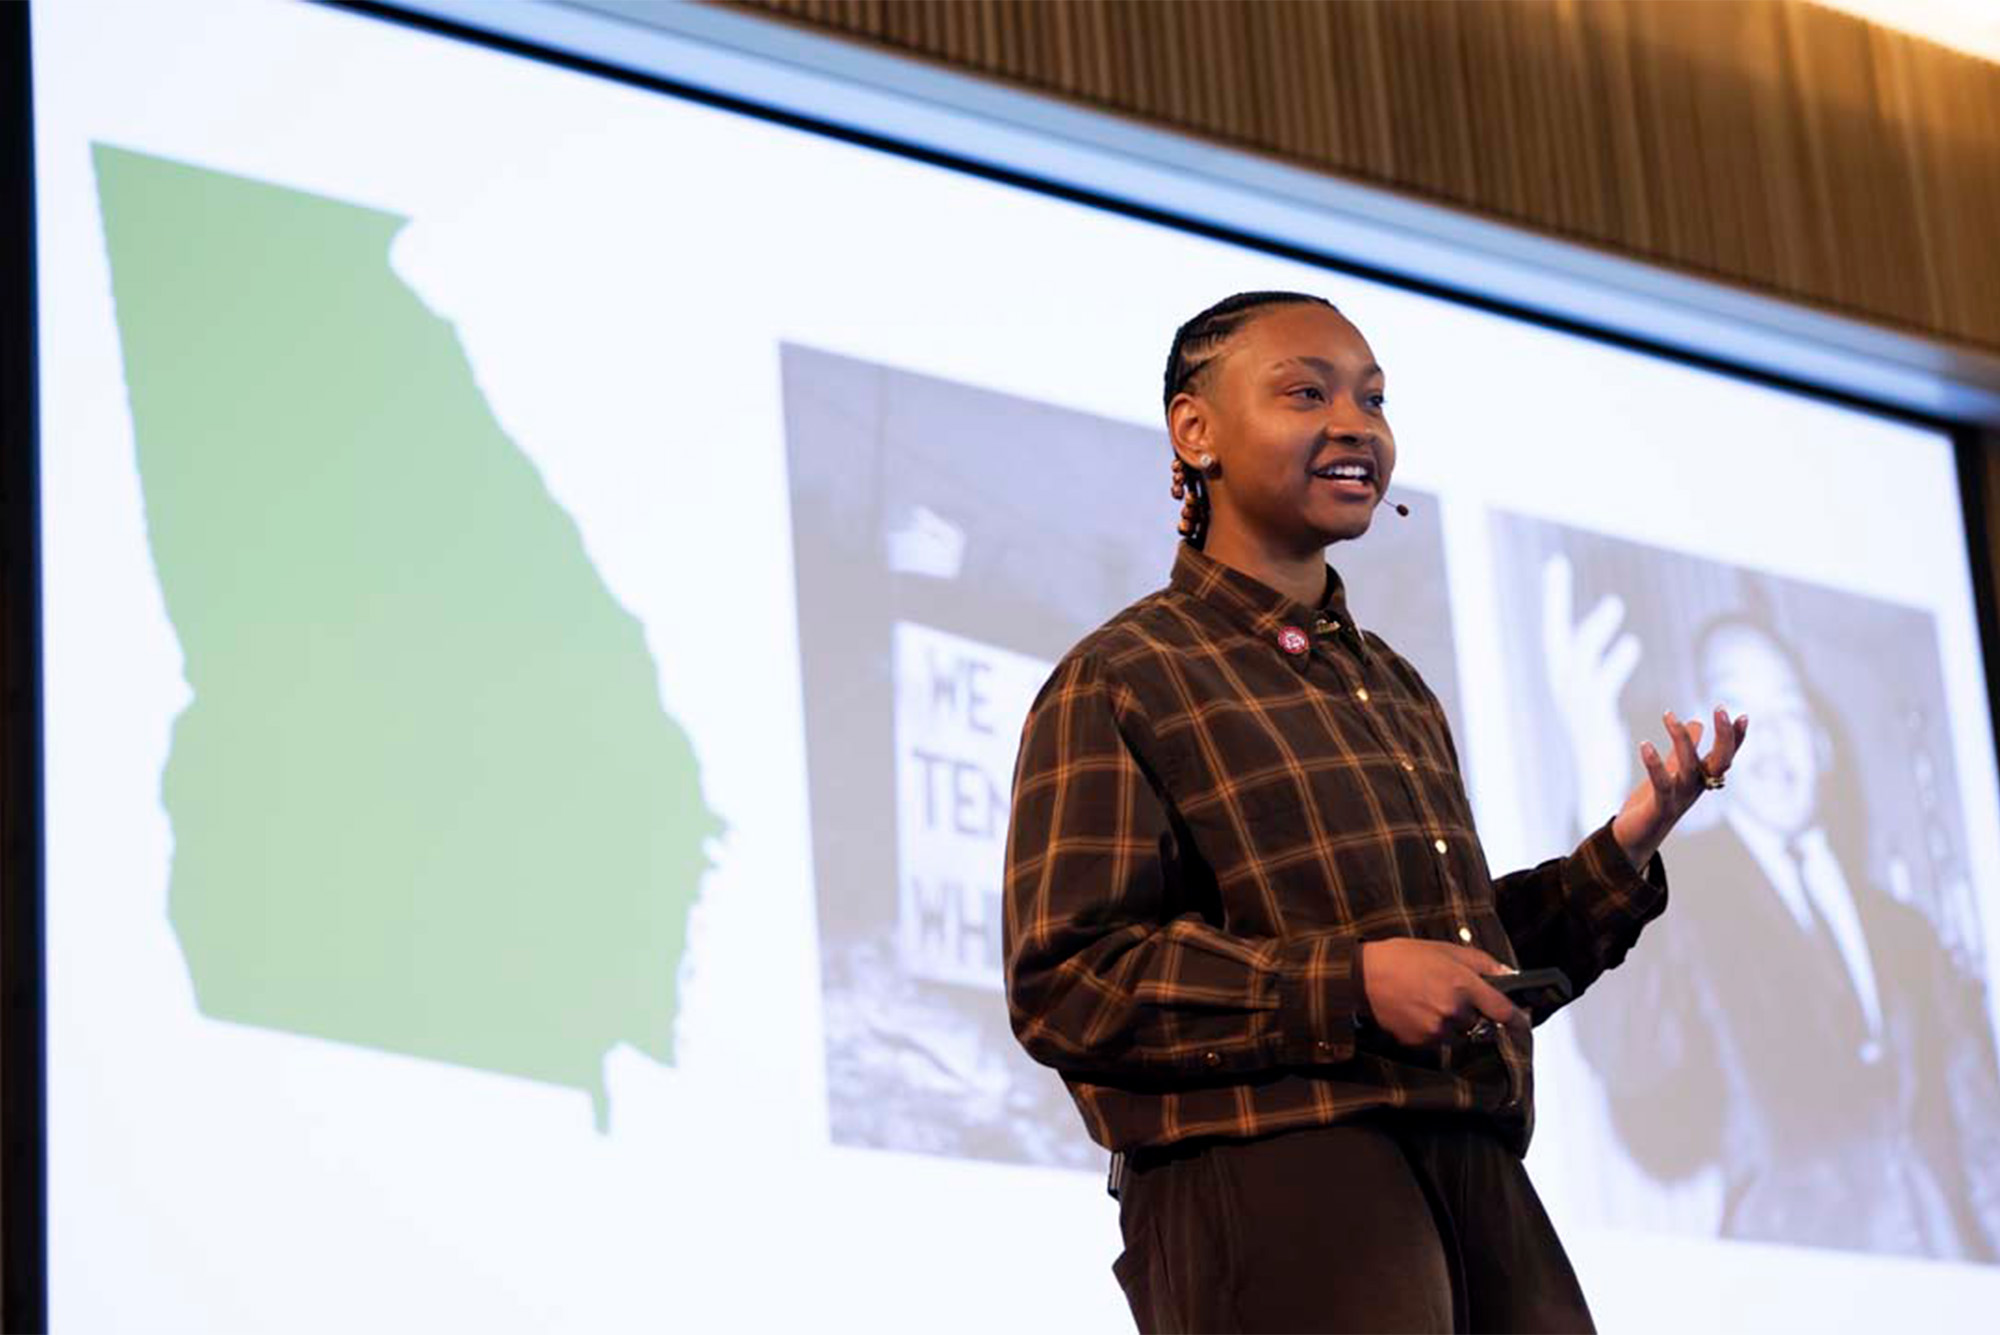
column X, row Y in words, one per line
column 23, row 1083
column 777, row 71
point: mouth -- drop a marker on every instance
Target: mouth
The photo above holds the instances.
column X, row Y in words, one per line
column 1348, row 477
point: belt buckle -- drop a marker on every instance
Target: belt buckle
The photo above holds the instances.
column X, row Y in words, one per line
column 1118, row 1175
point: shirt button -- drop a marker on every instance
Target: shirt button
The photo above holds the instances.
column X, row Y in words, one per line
column 1438, row 844
column 1362, row 694
column 1464, row 932
column 1212, row 1058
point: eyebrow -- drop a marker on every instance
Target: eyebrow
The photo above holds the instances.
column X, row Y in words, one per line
column 1321, row 364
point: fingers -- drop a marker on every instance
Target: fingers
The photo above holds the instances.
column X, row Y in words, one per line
column 1495, row 1006
column 1487, row 1001
column 1687, row 763
column 1619, row 663
column 1594, row 632
column 1477, row 960
column 1656, row 768
column 1728, row 737
column 1724, row 748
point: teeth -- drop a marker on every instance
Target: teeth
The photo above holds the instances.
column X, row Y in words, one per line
column 1353, row 472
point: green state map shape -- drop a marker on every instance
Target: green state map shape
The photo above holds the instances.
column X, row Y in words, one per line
column 425, row 798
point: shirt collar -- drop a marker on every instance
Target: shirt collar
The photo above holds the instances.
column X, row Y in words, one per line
column 1262, row 610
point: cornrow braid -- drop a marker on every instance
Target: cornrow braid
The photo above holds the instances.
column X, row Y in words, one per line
column 1196, row 346
column 1200, row 341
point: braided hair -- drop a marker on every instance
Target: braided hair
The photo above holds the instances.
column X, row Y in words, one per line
column 1197, row 345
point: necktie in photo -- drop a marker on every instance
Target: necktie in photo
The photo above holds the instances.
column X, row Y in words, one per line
column 1831, row 964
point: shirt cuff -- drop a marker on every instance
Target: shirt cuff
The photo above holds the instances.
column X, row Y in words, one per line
column 1319, row 998
column 1639, row 892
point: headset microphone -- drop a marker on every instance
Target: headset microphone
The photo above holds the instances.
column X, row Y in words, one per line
column 1401, row 508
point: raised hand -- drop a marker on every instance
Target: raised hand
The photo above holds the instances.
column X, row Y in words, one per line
column 1669, row 789
column 1588, row 663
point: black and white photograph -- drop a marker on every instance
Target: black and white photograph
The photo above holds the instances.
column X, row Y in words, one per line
column 1800, row 1049
column 950, row 543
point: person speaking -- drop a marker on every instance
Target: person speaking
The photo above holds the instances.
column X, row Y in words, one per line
column 1247, row 914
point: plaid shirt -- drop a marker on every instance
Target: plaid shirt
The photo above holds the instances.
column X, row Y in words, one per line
column 1220, row 793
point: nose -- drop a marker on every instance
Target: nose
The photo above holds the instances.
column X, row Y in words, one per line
column 1347, row 424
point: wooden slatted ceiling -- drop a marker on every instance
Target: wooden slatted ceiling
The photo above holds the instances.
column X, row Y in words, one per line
column 1774, row 144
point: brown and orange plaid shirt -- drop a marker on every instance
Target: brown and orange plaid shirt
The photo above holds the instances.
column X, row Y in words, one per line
column 1220, row 793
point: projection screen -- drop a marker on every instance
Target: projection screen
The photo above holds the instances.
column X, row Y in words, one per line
column 542, row 579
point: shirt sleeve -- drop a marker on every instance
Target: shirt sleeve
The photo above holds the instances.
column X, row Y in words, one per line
column 1109, row 972
column 1581, row 912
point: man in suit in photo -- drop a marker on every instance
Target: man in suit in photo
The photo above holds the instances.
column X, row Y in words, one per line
column 1791, row 1022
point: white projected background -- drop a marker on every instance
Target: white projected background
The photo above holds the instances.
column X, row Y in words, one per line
column 540, row 581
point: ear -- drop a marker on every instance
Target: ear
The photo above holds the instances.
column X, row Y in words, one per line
column 1190, row 428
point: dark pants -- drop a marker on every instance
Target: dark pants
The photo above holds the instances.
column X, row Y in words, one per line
column 1387, row 1223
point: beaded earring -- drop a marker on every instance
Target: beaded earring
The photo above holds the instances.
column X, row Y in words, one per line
column 1191, row 490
